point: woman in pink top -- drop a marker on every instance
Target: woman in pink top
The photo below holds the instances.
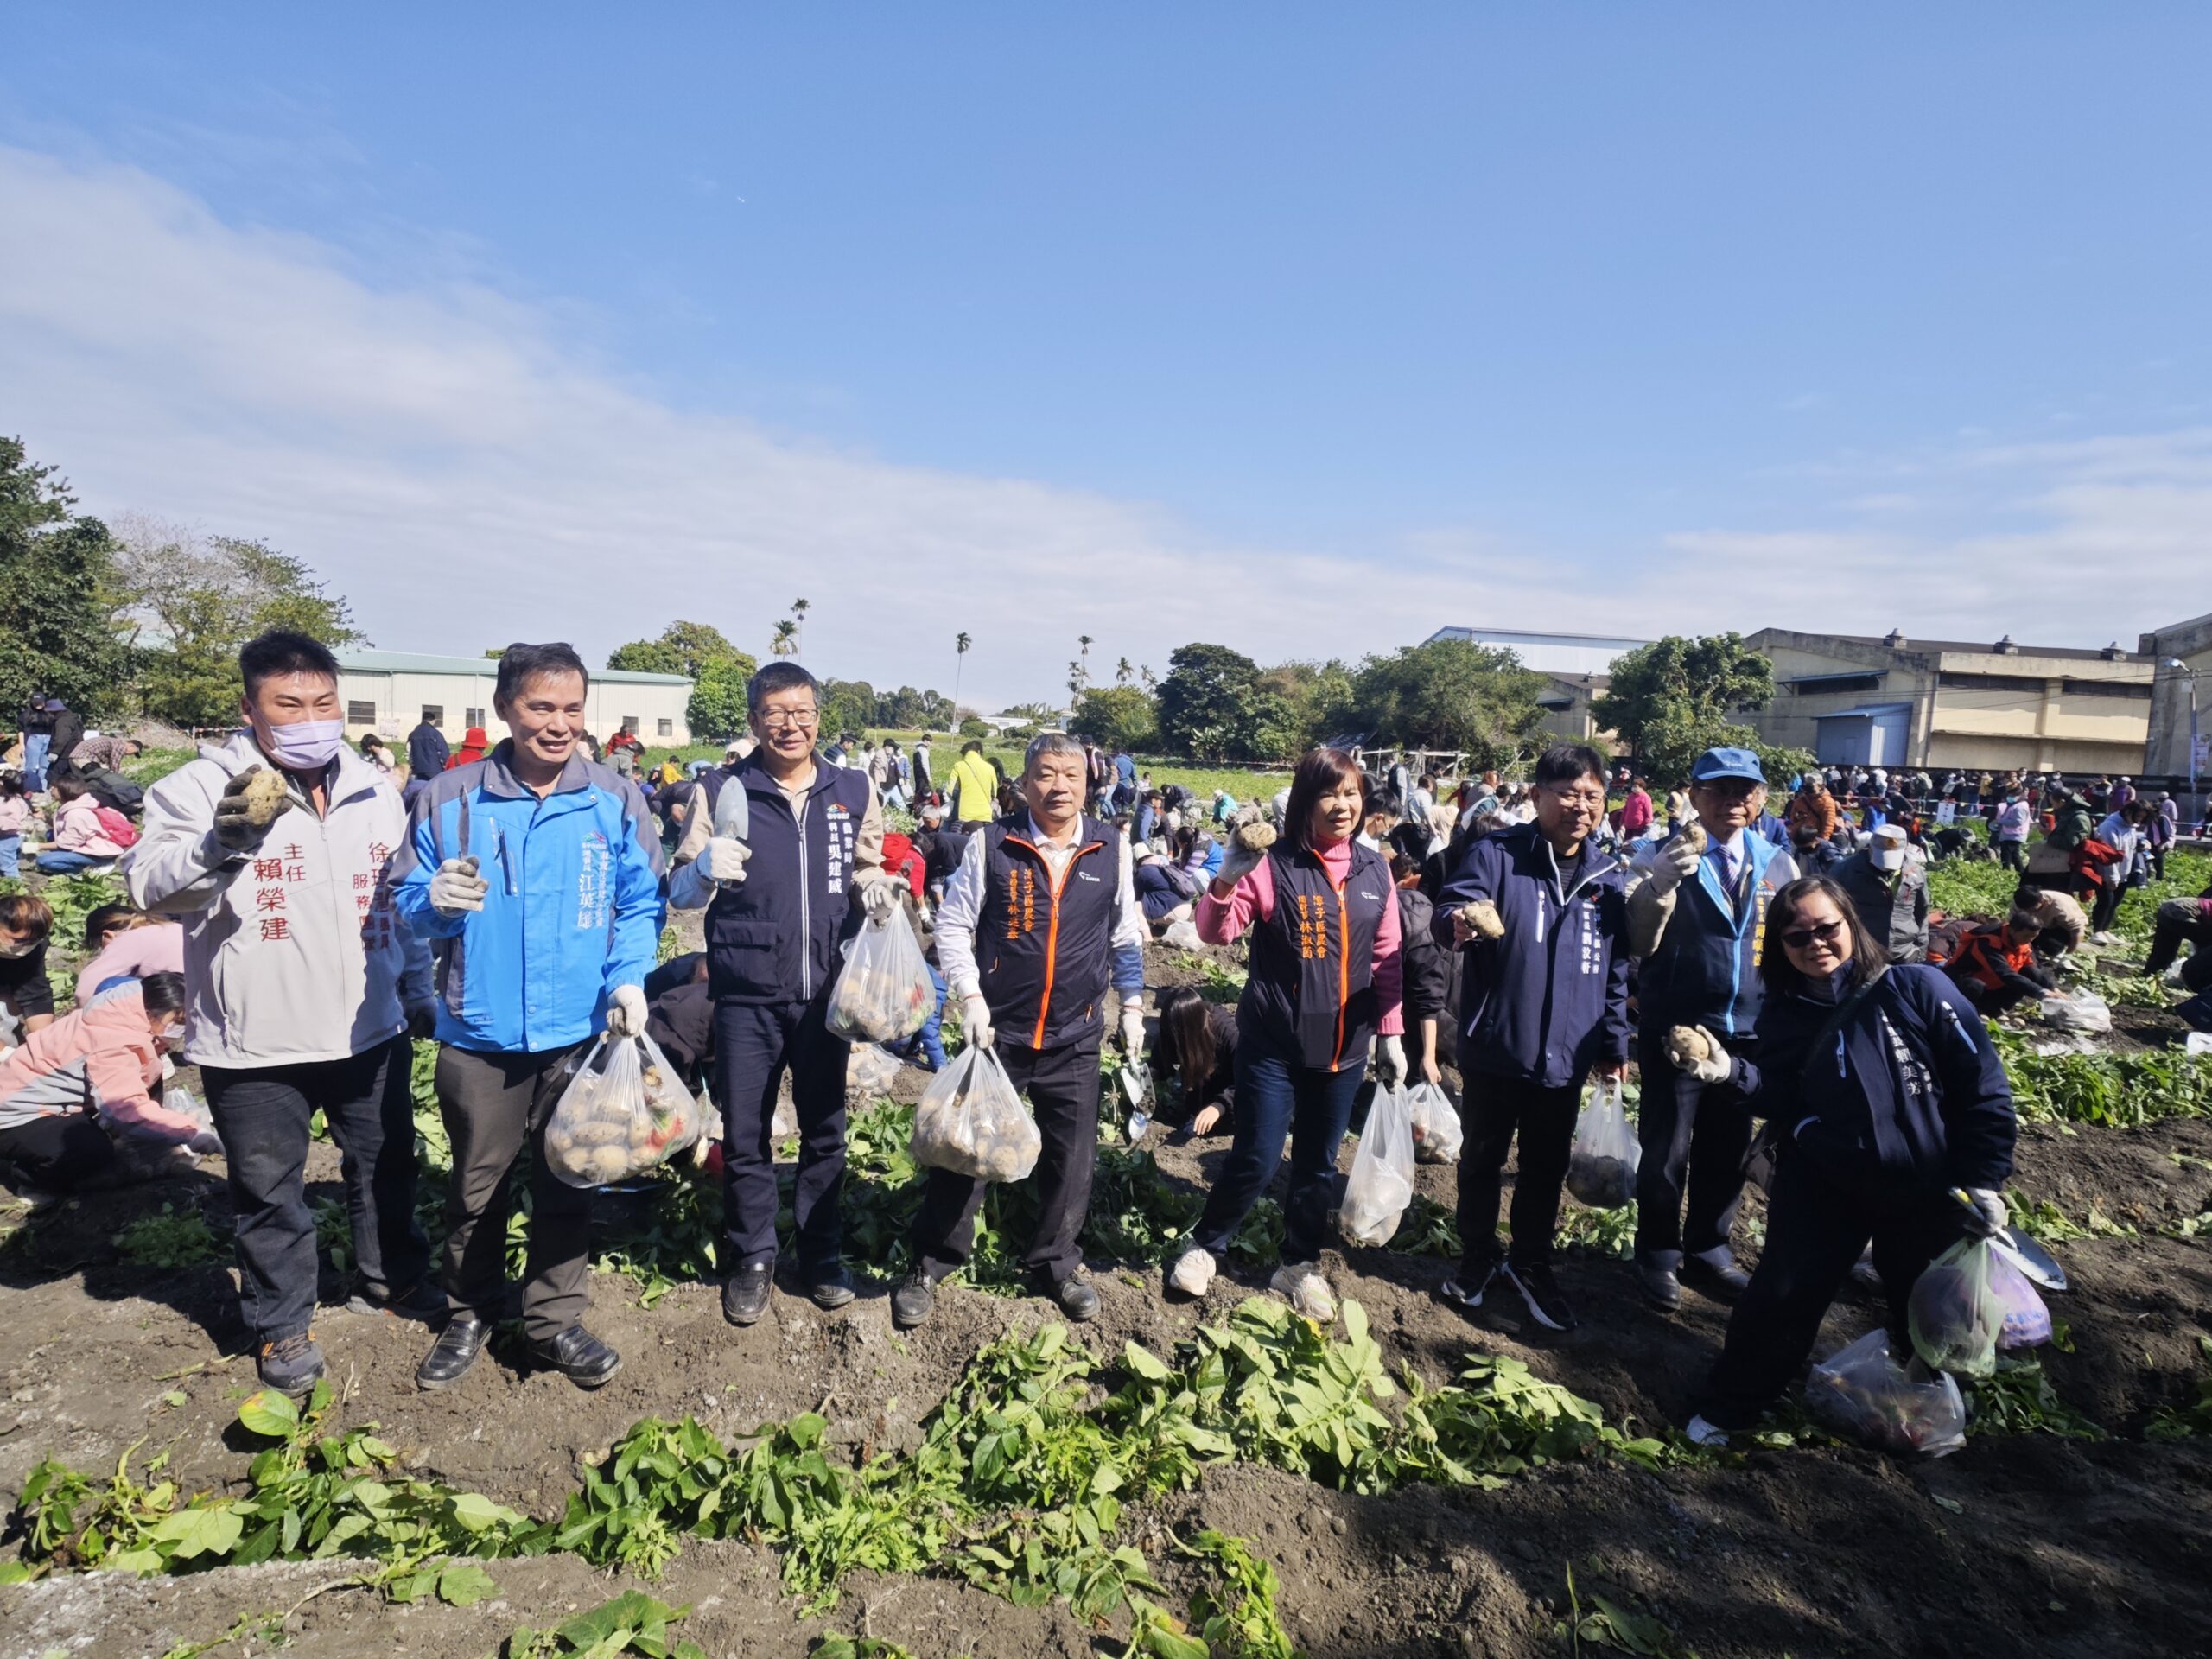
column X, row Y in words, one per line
column 152, row 946
column 1325, row 973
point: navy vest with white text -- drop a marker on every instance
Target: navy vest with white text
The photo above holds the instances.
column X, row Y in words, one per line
column 775, row 937
column 1311, row 995
column 1044, row 956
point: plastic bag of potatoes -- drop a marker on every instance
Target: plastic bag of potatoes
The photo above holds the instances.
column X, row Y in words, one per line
column 972, row 1123
column 625, row 1111
column 884, row 991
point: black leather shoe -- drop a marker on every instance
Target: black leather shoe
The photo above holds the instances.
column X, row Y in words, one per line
column 745, row 1293
column 1662, row 1289
column 579, row 1355
column 1077, row 1297
column 453, row 1353
column 830, row 1290
column 912, row 1302
column 1722, row 1280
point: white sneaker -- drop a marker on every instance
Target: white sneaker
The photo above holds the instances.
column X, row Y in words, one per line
column 1192, row 1272
column 1703, row 1433
column 1300, row 1284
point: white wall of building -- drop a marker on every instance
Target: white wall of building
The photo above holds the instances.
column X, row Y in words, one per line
column 386, row 692
column 1549, row 653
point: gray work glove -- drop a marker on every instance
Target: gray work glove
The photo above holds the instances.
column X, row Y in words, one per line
column 722, row 860
column 1986, row 1217
column 251, row 801
column 879, row 900
column 1667, row 866
column 1245, row 850
column 456, row 889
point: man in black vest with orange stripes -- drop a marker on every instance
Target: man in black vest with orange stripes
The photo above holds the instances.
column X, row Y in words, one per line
column 1040, row 915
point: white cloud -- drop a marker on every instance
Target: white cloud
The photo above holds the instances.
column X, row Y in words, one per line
column 466, row 473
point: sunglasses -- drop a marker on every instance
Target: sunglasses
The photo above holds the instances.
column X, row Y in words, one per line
column 1797, row 939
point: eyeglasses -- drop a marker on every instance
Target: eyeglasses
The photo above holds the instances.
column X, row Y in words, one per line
column 1593, row 798
column 782, row 720
column 1797, row 939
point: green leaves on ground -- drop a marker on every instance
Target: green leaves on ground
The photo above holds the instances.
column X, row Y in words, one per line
column 2019, row 1400
column 2114, row 1090
column 167, row 1240
column 1601, row 1623
column 631, row 1623
column 2193, row 1419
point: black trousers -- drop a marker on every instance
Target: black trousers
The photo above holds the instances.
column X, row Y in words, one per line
column 1990, row 1003
column 2168, row 935
column 1497, row 1109
column 2011, row 855
column 754, row 1044
column 1694, row 1137
column 494, row 1104
column 262, row 1114
column 1061, row 1086
column 2107, row 903
column 57, row 1153
column 1819, row 1219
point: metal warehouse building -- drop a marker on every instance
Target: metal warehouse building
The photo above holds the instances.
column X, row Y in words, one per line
column 387, row 692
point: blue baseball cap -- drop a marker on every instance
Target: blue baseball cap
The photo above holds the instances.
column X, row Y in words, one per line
column 1716, row 764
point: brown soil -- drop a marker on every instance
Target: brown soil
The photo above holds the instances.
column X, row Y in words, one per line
column 2017, row 1544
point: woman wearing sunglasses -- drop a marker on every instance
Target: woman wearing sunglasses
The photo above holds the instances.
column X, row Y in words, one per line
column 1886, row 1094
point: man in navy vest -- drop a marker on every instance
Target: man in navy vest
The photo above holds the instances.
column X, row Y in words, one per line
column 1696, row 919
column 1040, row 914
column 778, row 913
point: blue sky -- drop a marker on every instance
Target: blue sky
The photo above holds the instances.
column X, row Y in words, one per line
column 1303, row 329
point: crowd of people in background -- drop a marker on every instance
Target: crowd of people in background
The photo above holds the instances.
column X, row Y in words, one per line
column 301, row 910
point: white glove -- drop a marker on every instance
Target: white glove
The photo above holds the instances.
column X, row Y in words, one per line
column 1132, row 1025
column 205, row 1144
column 722, row 859
column 975, row 1019
column 1667, row 866
column 1990, row 1216
column 1246, row 848
column 1697, row 1053
column 626, row 1010
column 1390, row 1062
column 879, row 900
column 1476, row 919
column 456, row 889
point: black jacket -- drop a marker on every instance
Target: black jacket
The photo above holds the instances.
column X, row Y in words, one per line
column 1432, row 970
column 24, row 987
column 1221, row 1081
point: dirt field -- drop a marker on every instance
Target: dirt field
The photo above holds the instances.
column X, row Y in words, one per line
column 2020, row 1544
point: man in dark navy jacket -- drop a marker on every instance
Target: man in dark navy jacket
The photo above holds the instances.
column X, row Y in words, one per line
column 777, row 914
column 1540, row 912
column 1040, row 914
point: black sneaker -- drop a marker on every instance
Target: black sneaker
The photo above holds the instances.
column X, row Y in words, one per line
column 421, row 1300
column 1466, row 1288
column 453, row 1353
column 830, row 1290
column 292, row 1366
column 1077, row 1297
column 1541, row 1293
column 912, row 1302
column 745, row 1293
column 579, row 1355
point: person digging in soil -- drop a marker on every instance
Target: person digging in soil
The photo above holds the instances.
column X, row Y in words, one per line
column 1325, row 987
column 1695, row 920
column 1040, row 915
column 779, row 900
column 1995, row 965
column 1540, row 915
column 536, row 873
column 1888, row 1094
column 1197, row 1047
column 255, row 847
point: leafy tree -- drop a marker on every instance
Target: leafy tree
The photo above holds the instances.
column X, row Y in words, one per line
column 908, row 710
column 1673, row 699
column 847, row 706
column 1118, row 716
column 1452, row 694
column 685, row 648
column 1319, row 698
column 205, row 597
column 58, row 628
column 716, row 713
column 1213, row 707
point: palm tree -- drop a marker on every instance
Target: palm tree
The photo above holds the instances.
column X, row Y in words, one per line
column 960, row 642
column 1121, row 671
column 1075, row 681
column 785, row 643
column 1083, row 639
column 800, row 608
column 1151, row 680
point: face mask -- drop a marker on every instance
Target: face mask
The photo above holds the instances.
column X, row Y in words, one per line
column 171, row 1036
column 16, row 950
column 1889, row 858
column 306, row 745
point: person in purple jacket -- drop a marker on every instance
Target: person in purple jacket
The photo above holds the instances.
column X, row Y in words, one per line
column 1542, row 916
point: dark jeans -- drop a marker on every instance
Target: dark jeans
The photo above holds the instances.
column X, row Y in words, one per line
column 492, row 1105
column 754, row 1044
column 1819, row 1218
column 57, row 1154
column 2168, row 935
column 2011, row 855
column 1497, row 1109
column 2108, row 901
column 262, row 1114
column 1061, row 1086
column 1990, row 1003
column 1277, row 1097
column 1694, row 1136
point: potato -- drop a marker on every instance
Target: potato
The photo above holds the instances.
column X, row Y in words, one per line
column 1693, row 835
column 1686, row 1045
column 1483, row 917
column 266, row 798
column 1254, row 837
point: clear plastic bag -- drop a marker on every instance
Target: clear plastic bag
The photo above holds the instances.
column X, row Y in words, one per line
column 884, row 991
column 870, row 1073
column 1601, row 1167
column 2027, row 1321
column 1437, row 1135
column 1381, row 1182
column 1956, row 1314
column 972, row 1123
column 1861, row 1391
column 625, row 1111
column 2084, row 1011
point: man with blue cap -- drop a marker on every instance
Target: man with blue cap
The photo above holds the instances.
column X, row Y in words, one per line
column 1695, row 921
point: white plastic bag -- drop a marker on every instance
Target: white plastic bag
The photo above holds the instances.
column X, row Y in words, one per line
column 884, row 991
column 870, row 1073
column 2084, row 1011
column 1859, row 1390
column 1182, row 936
column 1437, row 1134
column 625, row 1111
column 1956, row 1313
column 1601, row 1167
column 972, row 1123
column 1382, row 1183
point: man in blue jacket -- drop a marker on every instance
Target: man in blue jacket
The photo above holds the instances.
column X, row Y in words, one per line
column 535, row 873
column 1540, row 915
column 1695, row 921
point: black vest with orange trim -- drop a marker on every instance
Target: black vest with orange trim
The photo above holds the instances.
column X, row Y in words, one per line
column 1043, row 952
column 1981, row 950
column 1311, row 996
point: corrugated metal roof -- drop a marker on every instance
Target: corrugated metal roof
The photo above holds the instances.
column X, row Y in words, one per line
column 408, row 662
